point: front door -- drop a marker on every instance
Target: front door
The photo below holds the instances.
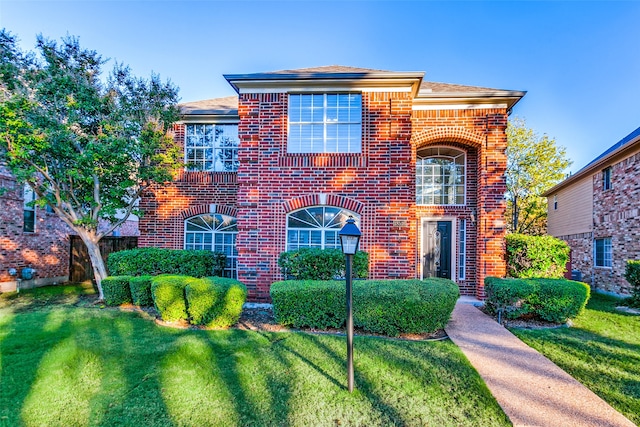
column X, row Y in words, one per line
column 436, row 243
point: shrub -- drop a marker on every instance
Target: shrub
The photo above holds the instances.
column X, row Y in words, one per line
column 536, row 256
column 632, row 274
column 392, row 307
column 307, row 303
column 116, row 290
column 168, row 296
column 155, row 261
column 559, row 300
column 508, row 296
column 321, row 264
column 389, row 307
column 140, row 287
column 553, row 300
column 215, row 301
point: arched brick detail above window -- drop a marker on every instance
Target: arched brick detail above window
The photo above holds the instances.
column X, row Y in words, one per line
column 448, row 134
column 323, row 200
column 209, row 209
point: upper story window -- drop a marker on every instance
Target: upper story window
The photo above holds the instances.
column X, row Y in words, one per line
column 212, row 147
column 440, row 176
column 29, row 210
column 316, row 227
column 325, row 123
column 606, row 178
column 555, row 202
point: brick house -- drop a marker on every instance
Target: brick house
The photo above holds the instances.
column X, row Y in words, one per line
column 419, row 165
column 597, row 212
column 34, row 237
column 30, row 237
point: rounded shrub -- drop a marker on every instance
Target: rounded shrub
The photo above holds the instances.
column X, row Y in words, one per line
column 116, row 290
column 155, row 261
column 168, row 296
column 140, row 287
column 321, row 264
column 215, row 301
column 553, row 300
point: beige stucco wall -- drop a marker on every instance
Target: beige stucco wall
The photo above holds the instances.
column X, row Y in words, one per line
column 574, row 213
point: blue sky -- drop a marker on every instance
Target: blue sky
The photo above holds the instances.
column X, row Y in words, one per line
column 579, row 61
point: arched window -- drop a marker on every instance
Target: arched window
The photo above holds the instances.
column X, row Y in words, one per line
column 214, row 232
column 316, row 227
column 440, row 176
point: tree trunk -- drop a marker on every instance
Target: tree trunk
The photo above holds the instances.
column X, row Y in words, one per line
column 99, row 269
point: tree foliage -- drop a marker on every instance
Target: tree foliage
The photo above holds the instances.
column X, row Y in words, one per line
column 534, row 164
column 87, row 145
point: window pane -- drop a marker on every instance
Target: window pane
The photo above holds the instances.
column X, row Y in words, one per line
column 319, row 112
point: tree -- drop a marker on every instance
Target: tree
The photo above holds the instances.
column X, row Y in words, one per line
column 534, row 164
column 87, row 146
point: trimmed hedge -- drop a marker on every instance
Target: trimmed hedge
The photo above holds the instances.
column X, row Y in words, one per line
column 116, row 290
column 553, row 300
column 389, row 307
column 632, row 274
column 168, row 296
column 536, row 256
column 140, row 287
column 155, row 261
column 321, row 264
column 215, row 301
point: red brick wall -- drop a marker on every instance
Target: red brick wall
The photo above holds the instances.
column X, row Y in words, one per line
column 191, row 193
column 378, row 184
column 616, row 214
column 46, row 250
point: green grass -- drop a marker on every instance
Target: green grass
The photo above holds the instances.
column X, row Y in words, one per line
column 69, row 363
column 601, row 350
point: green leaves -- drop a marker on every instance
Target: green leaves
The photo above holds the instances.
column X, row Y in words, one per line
column 93, row 143
column 534, row 164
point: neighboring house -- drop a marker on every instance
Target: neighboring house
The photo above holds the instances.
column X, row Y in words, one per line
column 419, row 165
column 597, row 212
column 30, row 238
column 34, row 238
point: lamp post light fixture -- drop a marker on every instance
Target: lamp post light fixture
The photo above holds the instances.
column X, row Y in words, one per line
column 349, row 240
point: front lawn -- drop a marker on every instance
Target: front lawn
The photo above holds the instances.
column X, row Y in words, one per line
column 66, row 362
column 601, row 350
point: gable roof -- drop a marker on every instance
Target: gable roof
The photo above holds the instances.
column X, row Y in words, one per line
column 626, row 144
column 328, row 69
column 216, row 106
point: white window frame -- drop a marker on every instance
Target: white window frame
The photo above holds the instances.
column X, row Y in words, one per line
column 210, row 148
column 462, row 252
column 555, row 202
column 29, row 196
column 325, row 126
column 607, row 254
column 226, row 227
column 329, row 225
column 420, row 199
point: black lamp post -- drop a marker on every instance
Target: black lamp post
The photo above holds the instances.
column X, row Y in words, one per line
column 349, row 239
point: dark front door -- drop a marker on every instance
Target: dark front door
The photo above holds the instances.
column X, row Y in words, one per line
column 436, row 238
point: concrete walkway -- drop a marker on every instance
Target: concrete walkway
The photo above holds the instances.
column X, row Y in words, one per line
column 531, row 389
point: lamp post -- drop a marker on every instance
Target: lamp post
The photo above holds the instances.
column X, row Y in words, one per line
column 349, row 239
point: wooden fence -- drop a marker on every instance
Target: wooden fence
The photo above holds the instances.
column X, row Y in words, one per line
column 80, row 269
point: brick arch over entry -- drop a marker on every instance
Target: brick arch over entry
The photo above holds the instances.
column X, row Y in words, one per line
column 209, row 209
column 448, row 134
column 323, row 200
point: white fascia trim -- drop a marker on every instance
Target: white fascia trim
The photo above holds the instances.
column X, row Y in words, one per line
column 355, row 85
column 457, row 106
column 209, row 119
